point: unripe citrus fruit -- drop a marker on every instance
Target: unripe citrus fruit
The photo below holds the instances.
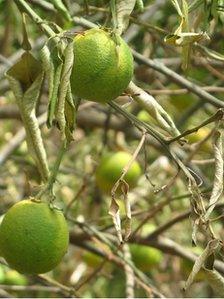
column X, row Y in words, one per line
column 145, row 257
column 200, row 135
column 110, row 170
column 13, row 277
column 147, row 229
column 144, row 116
column 91, row 259
column 103, row 65
column 33, row 237
column 94, row 261
column 2, row 274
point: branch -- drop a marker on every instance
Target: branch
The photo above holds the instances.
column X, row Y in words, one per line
column 23, row 6
column 216, row 117
column 164, row 244
column 179, row 80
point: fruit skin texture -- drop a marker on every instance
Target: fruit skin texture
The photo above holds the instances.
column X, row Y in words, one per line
column 102, row 69
column 33, row 237
column 145, row 257
column 110, row 169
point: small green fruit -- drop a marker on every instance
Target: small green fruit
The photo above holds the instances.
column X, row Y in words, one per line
column 147, row 229
column 91, row 259
column 198, row 136
column 33, row 237
column 181, row 102
column 110, row 170
column 2, row 274
column 144, row 116
column 145, row 257
column 13, row 277
column 103, row 65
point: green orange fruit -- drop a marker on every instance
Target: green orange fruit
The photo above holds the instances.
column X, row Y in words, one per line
column 180, row 102
column 2, row 274
column 13, row 277
column 103, row 65
column 94, row 261
column 110, row 169
column 33, row 237
column 144, row 116
column 91, row 259
column 147, row 229
column 145, row 257
column 200, row 135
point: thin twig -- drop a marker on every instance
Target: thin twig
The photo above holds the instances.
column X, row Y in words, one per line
column 212, row 89
column 130, row 281
column 67, row 291
column 217, row 116
column 31, row 288
column 52, row 178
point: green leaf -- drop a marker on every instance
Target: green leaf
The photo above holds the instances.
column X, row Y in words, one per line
column 199, row 263
column 53, row 96
column 123, row 9
column 26, row 70
column 25, row 44
column 64, row 87
column 52, row 65
column 185, row 26
column 185, row 38
column 114, row 211
column 217, row 189
column 61, row 8
column 195, row 4
column 149, row 103
column 70, row 116
column 25, row 78
column 177, row 7
column 211, row 53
